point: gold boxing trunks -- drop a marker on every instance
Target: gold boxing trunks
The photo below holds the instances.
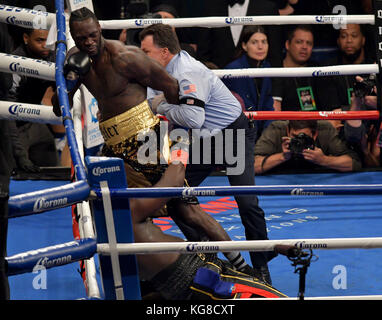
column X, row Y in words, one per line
column 121, row 140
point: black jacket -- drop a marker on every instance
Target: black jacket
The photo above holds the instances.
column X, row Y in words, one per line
column 28, row 89
column 6, row 152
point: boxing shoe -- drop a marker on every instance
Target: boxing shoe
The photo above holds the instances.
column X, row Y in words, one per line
column 260, row 273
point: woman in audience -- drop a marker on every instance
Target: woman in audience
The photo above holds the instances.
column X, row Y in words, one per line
column 252, row 52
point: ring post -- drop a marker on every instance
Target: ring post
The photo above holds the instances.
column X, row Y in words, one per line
column 113, row 225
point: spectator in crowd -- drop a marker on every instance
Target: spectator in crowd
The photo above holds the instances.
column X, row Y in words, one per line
column 285, row 6
column 325, row 35
column 256, row 92
column 165, row 11
column 208, row 109
column 37, row 138
column 351, row 44
column 360, row 135
column 302, row 93
column 5, row 168
column 11, row 154
column 303, row 145
column 218, row 45
column 185, row 35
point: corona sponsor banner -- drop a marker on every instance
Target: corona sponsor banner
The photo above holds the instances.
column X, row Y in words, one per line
column 28, row 112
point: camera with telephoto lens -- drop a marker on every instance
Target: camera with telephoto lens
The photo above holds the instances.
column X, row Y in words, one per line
column 365, row 87
column 299, row 143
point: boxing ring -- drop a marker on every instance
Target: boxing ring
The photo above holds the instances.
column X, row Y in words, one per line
column 289, row 205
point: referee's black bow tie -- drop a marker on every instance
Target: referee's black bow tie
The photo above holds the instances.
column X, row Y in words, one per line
column 233, row 2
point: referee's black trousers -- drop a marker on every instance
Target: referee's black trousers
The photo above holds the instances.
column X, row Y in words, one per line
column 242, row 146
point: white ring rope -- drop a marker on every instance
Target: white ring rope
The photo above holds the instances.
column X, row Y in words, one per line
column 24, row 66
column 26, row 18
column 215, row 22
column 341, row 70
column 251, row 245
column 28, row 112
column 29, row 18
column 45, row 70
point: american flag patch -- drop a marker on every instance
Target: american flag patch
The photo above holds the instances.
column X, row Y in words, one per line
column 189, row 88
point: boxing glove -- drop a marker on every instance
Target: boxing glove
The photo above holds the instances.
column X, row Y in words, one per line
column 77, row 65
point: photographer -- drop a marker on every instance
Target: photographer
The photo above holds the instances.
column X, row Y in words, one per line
column 303, row 145
column 361, row 135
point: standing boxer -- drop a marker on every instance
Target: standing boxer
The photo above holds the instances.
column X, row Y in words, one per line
column 118, row 77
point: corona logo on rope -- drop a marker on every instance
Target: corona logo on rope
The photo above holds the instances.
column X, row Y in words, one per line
column 16, row 67
column 304, row 245
column 18, row 109
column 301, row 192
column 42, row 203
column 142, row 22
column 192, row 192
column 195, row 247
column 240, row 20
column 326, row 114
column 320, row 73
column 47, row 263
column 227, row 76
column 12, row 20
column 329, row 19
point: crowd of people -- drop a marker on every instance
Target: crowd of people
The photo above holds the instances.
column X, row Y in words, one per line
column 170, row 72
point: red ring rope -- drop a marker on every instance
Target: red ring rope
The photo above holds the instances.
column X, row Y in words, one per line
column 313, row 115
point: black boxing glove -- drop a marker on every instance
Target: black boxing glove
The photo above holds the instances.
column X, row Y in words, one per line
column 77, row 65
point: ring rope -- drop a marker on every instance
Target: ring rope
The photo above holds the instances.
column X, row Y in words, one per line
column 216, row 22
column 26, row 18
column 269, row 190
column 28, row 112
column 313, row 115
column 51, row 256
column 29, row 67
column 29, row 18
column 10, row 63
column 44, row 114
column 249, row 245
column 340, row 70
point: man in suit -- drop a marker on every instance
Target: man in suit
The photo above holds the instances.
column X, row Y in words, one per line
column 217, row 45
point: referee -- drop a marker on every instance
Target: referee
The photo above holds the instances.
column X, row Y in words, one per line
column 216, row 119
